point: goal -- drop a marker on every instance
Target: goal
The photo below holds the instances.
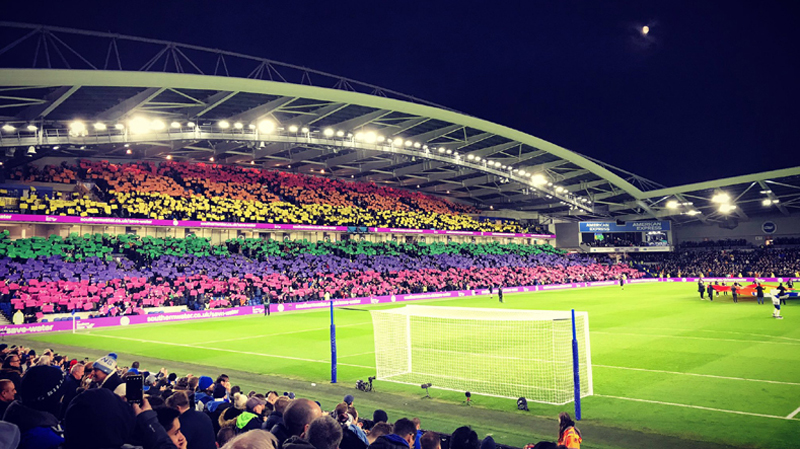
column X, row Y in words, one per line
column 494, row 352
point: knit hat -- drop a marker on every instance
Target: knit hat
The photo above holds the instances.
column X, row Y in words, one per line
column 107, row 364
column 204, row 383
column 150, row 380
column 380, row 416
column 254, row 402
column 349, row 399
column 97, row 419
column 41, row 387
column 219, row 392
column 240, row 401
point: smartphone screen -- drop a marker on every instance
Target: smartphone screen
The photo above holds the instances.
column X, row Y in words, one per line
column 134, row 385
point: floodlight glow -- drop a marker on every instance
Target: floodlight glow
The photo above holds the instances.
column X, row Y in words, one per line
column 693, row 212
column 470, row 157
column 381, row 138
column 32, row 128
column 211, row 159
column 725, row 208
column 359, row 136
column 175, row 125
column 190, row 125
column 766, row 202
column 252, row 162
column 764, row 192
column 328, row 132
column 266, row 126
column 397, row 141
column 169, row 157
column 449, row 151
column 370, row 137
column 157, row 125
column 119, row 126
column 224, row 124
column 538, row 179
column 409, row 143
column 251, row 126
column 292, row 128
column 304, row 130
column 503, row 167
column 340, row 133
column 99, row 126
column 417, row 145
column 77, row 128
column 128, row 151
column 477, row 159
column 721, row 197
column 238, row 125
column 559, row 189
column 8, row 128
column 672, row 204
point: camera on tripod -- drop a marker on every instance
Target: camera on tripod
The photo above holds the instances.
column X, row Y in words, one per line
column 364, row 386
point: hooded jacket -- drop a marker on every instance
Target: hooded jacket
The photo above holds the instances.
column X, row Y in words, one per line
column 391, row 441
column 38, row 430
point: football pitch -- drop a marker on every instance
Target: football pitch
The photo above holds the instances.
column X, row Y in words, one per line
column 667, row 368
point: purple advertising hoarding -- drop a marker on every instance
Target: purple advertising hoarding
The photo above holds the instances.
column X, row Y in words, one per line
column 57, row 219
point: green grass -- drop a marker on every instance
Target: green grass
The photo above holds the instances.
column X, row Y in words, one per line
column 704, row 366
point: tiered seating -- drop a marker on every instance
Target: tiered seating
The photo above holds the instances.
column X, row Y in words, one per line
column 174, row 190
column 80, row 272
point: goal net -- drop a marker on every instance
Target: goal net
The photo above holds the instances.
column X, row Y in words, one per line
column 495, row 352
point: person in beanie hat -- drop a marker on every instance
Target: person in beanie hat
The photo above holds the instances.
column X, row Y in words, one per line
column 250, row 419
column 349, row 399
column 104, row 372
column 204, row 392
column 35, row 414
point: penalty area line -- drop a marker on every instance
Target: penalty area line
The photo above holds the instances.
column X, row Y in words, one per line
column 793, row 414
column 698, row 375
column 698, row 407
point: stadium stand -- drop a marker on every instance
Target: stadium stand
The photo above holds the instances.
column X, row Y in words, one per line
column 125, row 274
column 766, row 262
column 211, row 192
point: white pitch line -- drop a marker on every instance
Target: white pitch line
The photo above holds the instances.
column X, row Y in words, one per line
column 793, row 414
column 230, row 350
column 356, row 355
column 698, row 407
column 698, row 375
column 699, row 338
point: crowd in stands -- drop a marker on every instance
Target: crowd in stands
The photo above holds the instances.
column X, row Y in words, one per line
column 723, row 243
column 211, row 192
column 786, row 241
column 51, row 401
column 123, row 275
column 610, row 240
column 762, row 262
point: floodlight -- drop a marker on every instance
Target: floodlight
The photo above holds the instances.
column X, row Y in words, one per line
column 329, row 132
column 99, row 126
column 340, row 133
column 725, row 208
column 119, row 126
column 251, row 126
column 8, row 128
column 381, row 138
column 559, row 189
column 31, row 150
column 322, row 170
column 672, row 204
column 417, row 145
column 304, row 130
column 292, row 128
column 449, row 151
column 190, row 125
column 56, row 147
column 538, row 179
column 477, row 159
column 224, row 124
column 238, row 125
column 470, row 157
column 721, row 197
column 128, row 151
column 398, row 141
column 766, row 202
column 77, row 128
column 409, row 143
column 175, row 125
column 157, row 125
column 765, row 192
column 252, row 162
column 32, row 128
column 359, row 136
column 503, row 167
column 266, row 126
column 211, row 159
column 370, row 137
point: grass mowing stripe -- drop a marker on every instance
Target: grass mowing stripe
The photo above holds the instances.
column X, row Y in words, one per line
column 697, row 338
column 793, row 414
column 230, row 351
column 699, row 375
column 250, row 337
column 698, row 407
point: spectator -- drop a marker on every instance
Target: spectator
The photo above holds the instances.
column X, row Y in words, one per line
column 168, row 418
column 12, row 369
column 298, row 417
column 348, row 399
column 379, row 416
column 418, row 423
column 205, row 392
column 378, row 430
column 353, row 437
column 104, row 372
column 35, row 414
column 195, row 426
column 430, row 440
column 216, row 406
column 256, row 439
column 7, row 394
column 251, row 418
column 229, row 417
column 464, row 438
column 325, row 433
column 276, row 417
column 71, row 385
column 402, row 436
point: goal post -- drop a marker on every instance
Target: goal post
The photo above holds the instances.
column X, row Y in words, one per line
column 494, row 352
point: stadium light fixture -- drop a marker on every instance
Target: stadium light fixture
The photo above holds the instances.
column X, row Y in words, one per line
column 381, row 138
column 538, row 179
column 470, row 157
column 224, row 124
column 417, row 145
column 766, row 202
column 409, row 143
column 765, row 192
column 252, row 162
column 726, row 208
column 128, row 151
column 359, row 136
column 32, row 128
column 238, row 125
column 266, row 126
column 693, row 212
column 449, row 151
column 340, row 133
column 559, row 189
column 292, row 128
column 441, row 149
column 304, row 130
column 119, row 126
column 251, row 126
column 672, row 204
column 211, row 159
column 190, row 125
column 175, row 125
column 9, row 128
column 169, row 157
column 157, row 125
column 721, row 198
column 328, row 132
column 77, row 128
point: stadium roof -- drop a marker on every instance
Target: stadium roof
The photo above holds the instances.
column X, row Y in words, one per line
column 72, row 93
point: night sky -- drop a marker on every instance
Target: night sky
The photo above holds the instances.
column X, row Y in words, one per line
column 712, row 91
